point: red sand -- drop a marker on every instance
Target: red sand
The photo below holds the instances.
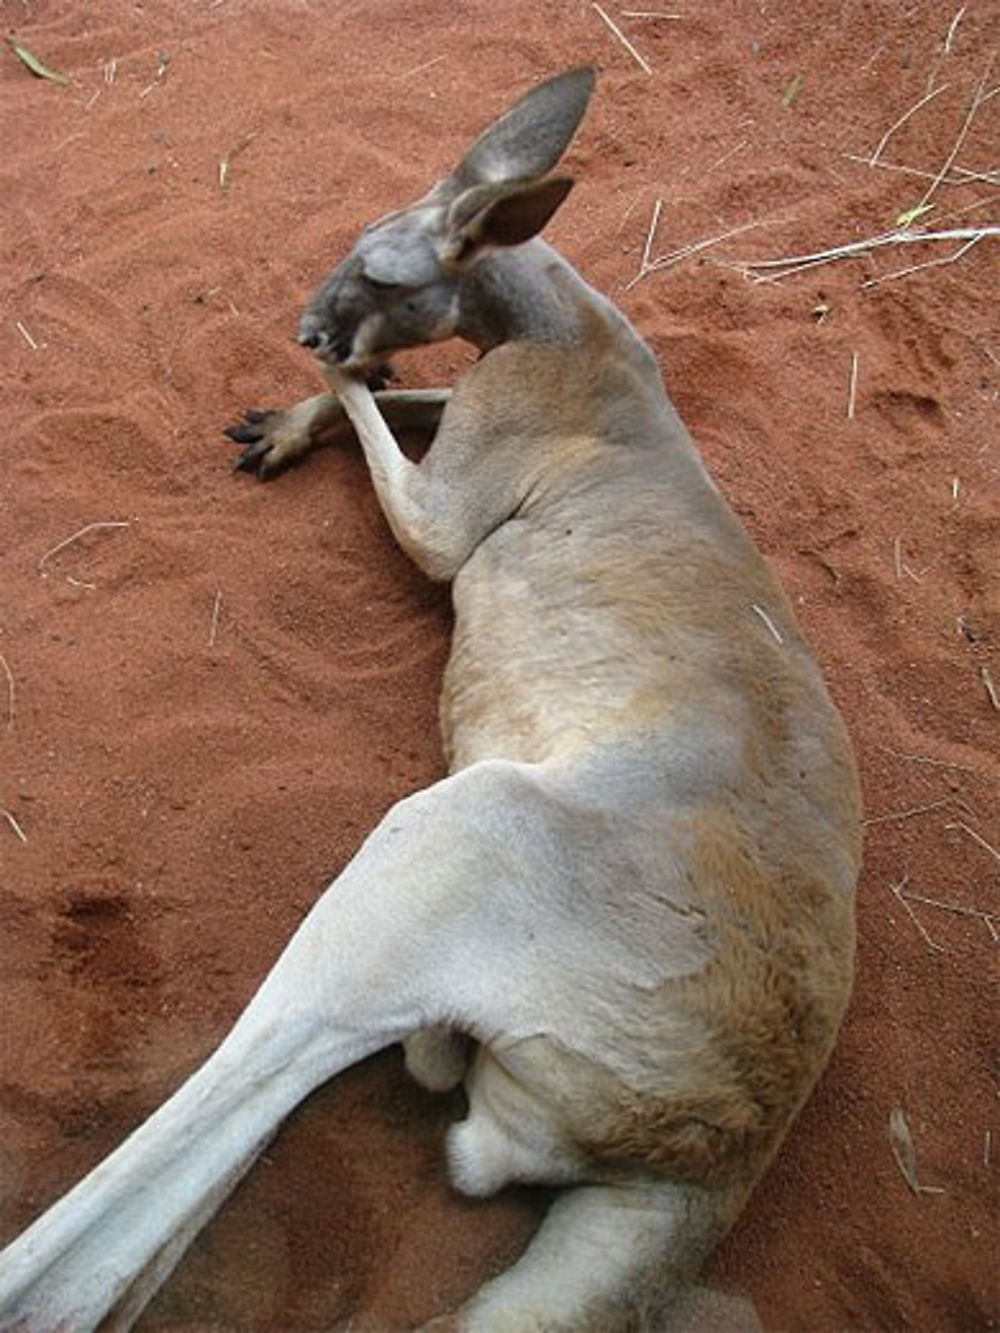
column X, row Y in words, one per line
column 208, row 708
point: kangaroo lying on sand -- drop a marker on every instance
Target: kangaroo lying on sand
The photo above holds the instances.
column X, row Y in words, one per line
column 625, row 918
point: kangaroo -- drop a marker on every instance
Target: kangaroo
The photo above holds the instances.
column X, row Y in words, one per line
column 625, row 917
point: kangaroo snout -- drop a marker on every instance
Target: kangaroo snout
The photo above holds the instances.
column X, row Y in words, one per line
column 328, row 344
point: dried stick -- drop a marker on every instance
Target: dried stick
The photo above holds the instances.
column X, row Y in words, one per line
column 68, row 541
column 13, row 823
column 897, row 892
column 977, row 100
column 991, row 689
column 11, row 691
column 952, row 28
column 214, row 627
column 791, row 264
column 623, row 39
column 976, row 837
column 873, row 160
column 852, row 390
column 916, row 268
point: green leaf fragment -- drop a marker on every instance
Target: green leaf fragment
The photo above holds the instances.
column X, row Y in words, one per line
column 793, row 90
column 40, row 70
column 910, row 216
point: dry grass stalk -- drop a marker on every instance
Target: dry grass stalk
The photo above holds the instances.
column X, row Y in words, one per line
column 648, row 265
column 952, row 29
column 901, row 1143
column 767, row 621
column 978, row 97
column 991, row 689
column 989, row 919
column 976, row 837
column 225, row 163
column 957, row 175
column 911, row 812
column 852, row 390
column 18, row 830
column 163, row 65
column 927, row 759
column 776, row 270
column 897, row 892
column 11, row 690
column 873, row 160
column 214, row 627
column 623, row 39
column 916, row 268
column 26, row 336
column 75, row 537
column 419, row 69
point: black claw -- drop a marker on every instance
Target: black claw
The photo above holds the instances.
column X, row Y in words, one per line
column 379, row 378
column 244, row 434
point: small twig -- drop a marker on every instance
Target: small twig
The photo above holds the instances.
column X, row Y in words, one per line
column 926, row 759
column 897, row 892
column 163, row 66
column 873, row 160
column 647, row 249
column 952, row 28
column 989, row 919
column 958, row 175
column 68, row 541
column 991, row 689
column 901, row 1143
column 976, row 837
column 911, row 812
column 897, row 556
column 26, row 335
column 226, row 162
column 977, row 100
column 731, row 152
column 852, row 387
column 916, row 268
column 798, row 263
column 987, row 1146
column 419, row 69
column 767, row 621
column 13, row 823
column 214, row 627
column 623, row 39
column 686, row 251
column 11, row 690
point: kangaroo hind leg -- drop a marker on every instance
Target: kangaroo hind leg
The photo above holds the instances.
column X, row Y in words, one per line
column 614, row 1259
column 382, row 955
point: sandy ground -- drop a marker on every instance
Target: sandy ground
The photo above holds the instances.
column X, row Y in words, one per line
column 210, row 689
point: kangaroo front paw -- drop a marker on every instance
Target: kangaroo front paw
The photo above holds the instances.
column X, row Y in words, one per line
column 271, row 441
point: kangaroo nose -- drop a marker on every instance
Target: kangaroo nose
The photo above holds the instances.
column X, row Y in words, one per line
column 311, row 334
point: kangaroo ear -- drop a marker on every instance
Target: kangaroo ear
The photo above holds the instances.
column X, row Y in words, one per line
column 487, row 216
column 528, row 140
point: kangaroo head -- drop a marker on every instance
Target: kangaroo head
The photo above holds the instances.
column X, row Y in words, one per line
column 400, row 285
